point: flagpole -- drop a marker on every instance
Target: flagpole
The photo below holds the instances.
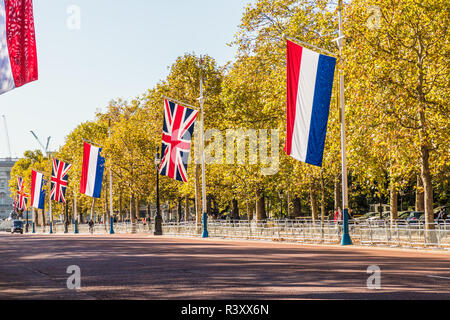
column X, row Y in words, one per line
column 346, row 239
column 311, row 45
column 111, row 211
column 202, row 101
column 180, row 102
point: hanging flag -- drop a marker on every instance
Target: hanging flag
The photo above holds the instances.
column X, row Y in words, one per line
column 178, row 129
column 59, row 180
column 18, row 59
column 309, row 86
column 37, row 190
column 22, row 197
column 92, row 172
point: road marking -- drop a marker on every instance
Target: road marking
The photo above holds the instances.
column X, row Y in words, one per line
column 438, row 277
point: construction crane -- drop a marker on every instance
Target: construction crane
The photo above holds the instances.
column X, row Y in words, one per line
column 7, row 136
column 44, row 149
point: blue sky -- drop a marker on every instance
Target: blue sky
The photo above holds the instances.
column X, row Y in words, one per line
column 122, row 49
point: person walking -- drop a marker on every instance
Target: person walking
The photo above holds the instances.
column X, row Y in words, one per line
column 91, row 226
column 338, row 215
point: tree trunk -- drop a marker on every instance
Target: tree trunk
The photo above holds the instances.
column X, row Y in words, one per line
column 208, row 204
column 120, row 207
column 288, row 205
column 428, row 189
column 337, row 192
column 322, row 198
column 312, row 195
column 260, row 205
column 132, row 209
column 186, row 208
column 108, row 213
column 297, row 207
column 44, row 218
column 136, row 204
column 426, row 177
column 250, row 210
column 420, row 205
column 235, row 210
column 179, row 211
column 393, row 203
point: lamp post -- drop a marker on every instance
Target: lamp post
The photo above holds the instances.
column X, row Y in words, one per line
column 158, row 218
column 205, row 233
column 346, row 239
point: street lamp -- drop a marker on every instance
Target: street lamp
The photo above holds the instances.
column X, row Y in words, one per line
column 158, row 218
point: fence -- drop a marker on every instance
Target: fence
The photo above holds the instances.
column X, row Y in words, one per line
column 401, row 234
column 376, row 232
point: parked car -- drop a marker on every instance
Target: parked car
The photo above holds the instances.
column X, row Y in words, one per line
column 17, row 227
column 385, row 215
column 404, row 215
column 415, row 216
column 366, row 216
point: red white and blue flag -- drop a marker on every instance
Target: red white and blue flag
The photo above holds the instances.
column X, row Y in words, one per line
column 37, row 190
column 22, row 197
column 178, row 129
column 18, row 59
column 309, row 86
column 59, row 180
column 92, row 172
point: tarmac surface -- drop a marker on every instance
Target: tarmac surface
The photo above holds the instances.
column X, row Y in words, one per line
column 154, row 268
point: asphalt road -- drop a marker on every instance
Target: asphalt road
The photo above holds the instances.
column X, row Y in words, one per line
column 147, row 267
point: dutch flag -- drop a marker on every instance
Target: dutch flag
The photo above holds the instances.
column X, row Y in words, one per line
column 309, row 86
column 37, row 192
column 18, row 59
column 92, row 172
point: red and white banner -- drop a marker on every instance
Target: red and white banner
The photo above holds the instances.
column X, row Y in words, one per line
column 18, row 59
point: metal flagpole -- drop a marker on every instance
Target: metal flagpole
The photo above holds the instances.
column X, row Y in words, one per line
column 346, row 240
column 205, row 215
column 111, row 211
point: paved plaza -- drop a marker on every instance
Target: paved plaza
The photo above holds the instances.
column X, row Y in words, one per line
column 148, row 267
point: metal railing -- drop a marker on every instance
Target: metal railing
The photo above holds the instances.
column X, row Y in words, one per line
column 375, row 232
column 371, row 233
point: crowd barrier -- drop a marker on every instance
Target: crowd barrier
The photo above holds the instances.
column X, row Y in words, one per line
column 371, row 233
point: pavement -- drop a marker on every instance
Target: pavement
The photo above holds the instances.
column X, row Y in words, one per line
column 154, row 268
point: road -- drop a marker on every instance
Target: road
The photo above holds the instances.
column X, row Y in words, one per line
column 147, row 267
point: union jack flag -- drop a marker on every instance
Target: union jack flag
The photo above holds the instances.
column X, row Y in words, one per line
column 22, row 197
column 178, row 129
column 59, row 181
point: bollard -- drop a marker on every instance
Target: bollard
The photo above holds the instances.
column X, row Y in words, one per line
column 34, row 228
column 111, row 226
column 346, row 240
column 205, row 225
column 76, row 227
column 51, row 228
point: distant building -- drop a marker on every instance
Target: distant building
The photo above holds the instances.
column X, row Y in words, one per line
column 5, row 196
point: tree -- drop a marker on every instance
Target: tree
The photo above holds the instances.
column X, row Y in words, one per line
column 400, row 66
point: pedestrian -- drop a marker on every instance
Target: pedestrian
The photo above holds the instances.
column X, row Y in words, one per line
column 380, row 210
column 442, row 215
column 91, row 226
column 338, row 215
column 330, row 215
